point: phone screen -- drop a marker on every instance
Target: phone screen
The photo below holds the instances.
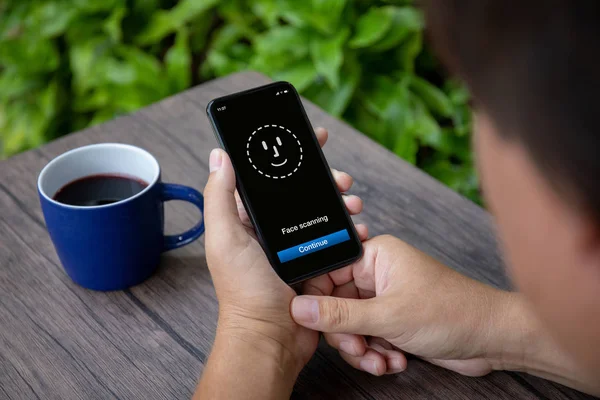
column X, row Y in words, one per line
column 285, row 181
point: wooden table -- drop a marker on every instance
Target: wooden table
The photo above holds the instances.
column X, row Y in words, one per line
column 60, row 341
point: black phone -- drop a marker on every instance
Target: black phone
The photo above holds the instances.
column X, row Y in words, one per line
column 284, row 181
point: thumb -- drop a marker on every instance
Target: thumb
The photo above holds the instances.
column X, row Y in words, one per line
column 338, row 315
column 221, row 213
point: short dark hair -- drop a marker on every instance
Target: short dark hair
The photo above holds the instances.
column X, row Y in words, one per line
column 533, row 67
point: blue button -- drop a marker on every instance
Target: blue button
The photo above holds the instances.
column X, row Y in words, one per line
column 313, row 245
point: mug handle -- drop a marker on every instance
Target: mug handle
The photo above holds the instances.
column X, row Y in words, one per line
column 172, row 191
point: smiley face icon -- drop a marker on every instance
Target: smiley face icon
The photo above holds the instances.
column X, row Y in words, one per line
column 274, row 151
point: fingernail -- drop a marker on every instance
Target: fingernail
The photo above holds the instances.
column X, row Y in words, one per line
column 305, row 310
column 215, row 160
column 396, row 364
column 368, row 366
column 378, row 347
column 348, row 348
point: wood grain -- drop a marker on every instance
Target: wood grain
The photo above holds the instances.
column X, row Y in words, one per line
column 60, row 341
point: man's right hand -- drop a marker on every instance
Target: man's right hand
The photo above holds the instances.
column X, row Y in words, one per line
column 405, row 301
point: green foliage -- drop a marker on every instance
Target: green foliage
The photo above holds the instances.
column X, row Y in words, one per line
column 68, row 64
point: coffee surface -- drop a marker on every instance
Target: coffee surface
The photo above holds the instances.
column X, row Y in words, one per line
column 98, row 190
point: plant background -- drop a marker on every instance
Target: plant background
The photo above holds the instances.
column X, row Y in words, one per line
column 69, row 64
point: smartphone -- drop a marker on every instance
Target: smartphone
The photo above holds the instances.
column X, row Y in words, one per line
column 284, row 181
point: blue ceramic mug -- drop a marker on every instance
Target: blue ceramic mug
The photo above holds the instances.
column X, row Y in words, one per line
column 117, row 245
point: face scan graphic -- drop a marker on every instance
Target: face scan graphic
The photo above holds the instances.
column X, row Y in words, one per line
column 274, row 151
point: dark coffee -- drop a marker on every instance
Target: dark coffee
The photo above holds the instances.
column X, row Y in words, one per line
column 98, row 190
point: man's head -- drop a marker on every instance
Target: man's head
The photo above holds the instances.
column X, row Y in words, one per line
column 533, row 71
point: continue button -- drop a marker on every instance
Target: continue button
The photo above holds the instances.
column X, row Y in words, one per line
column 313, row 245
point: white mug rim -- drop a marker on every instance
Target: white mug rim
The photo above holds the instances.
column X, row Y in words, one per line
column 66, row 154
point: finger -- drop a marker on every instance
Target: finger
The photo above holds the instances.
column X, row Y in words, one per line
column 362, row 231
column 320, row 286
column 343, row 180
column 221, row 212
column 371, row 362
column 380, row 342
column 354, row 204
column 354, row 345
column 244, row 217
column 348, row 343
column 341, row 276
column 395, row 359
column 365, row 294
column 363, row 271
column 336, row 315
column 346, row 290
column 322, row 135
column 474, row 367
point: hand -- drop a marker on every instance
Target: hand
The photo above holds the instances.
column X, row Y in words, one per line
column 253, row 301
column 405, row 301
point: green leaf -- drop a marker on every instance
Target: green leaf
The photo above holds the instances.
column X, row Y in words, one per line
column 51, row 19
column 386, row 97
column 457, row 92
column 11, row 23
column 83, row 56
column 48, row 101
column 328, row 55
column 102, row 116
column 115, row 72
column 96, row 99
column 285, row 39
column 301, row 75
column 161, row 24
column 406, row 21
column 112, row 25
column 94, row 6
column 29, row 54
column 144, row 7
column 433, row 97
column 200, row 32
column 226, row 55
column 147, row 69
column 3, row 119
column 321, row 15
column 235, row 12
column 399, row 120
column 178, row 62
column 127, row 99
column 219, row 64
column 165, row 22
column 325, row 14
column 25, row 127
column 225, row 37
column 453, row 145
column 407, row 53
column 267, row 11
column 372, row 26
column 85, row 28
column 426, row 128
column 187, row 10
column 406, row 147
column 367, row 122
column 335, row 102
column 15, row 141
column 462, row 119
column 240, row 51
column 13, row 84
column 279, row 48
